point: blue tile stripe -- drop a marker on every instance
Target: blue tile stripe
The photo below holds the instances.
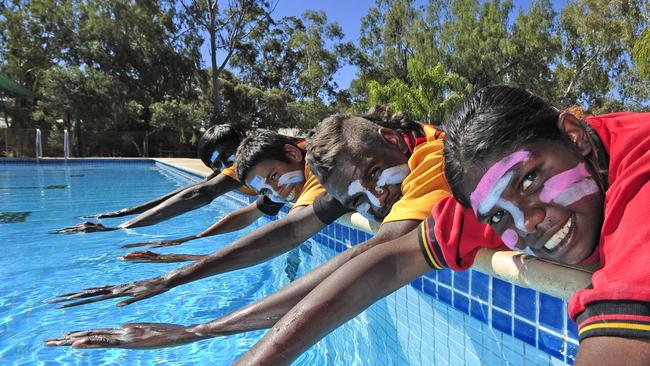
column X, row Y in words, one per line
column 539, row 320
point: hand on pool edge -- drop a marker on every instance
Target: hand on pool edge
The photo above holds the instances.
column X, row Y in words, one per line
column 138, row 290
column 129, row 335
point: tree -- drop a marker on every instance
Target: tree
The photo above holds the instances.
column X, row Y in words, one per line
column 227, row 29
column 430, row 94
column 597, row 36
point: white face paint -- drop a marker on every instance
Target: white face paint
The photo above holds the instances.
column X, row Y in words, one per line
column 221, row 165
column 393, row 175
column 215, row 156
column 364, row 210
column 260, row 185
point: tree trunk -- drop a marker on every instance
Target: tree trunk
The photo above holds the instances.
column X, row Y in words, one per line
column 216, row 100
column 77, row 130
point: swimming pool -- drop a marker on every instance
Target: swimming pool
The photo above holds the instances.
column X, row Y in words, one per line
column 408, row 327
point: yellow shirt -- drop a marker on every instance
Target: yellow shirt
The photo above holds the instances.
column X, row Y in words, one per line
column 230, row 172
column 426, row 184
column 310, row 191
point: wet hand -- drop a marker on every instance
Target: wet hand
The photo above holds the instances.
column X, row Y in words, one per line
column 147, row 256
column 157, row 243
column 138, row 290
column 84, row 227
column 131, row 335
column 118, row 213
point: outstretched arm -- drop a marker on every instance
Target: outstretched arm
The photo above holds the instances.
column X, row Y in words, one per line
column 267, row 242
column 189, row 199
column 235, row 220
column 348, row 291
column 261, row 314
column 147, row 205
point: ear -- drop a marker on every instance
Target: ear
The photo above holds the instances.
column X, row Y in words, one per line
column 574, row 133
column 393, row 138
column 293, row 153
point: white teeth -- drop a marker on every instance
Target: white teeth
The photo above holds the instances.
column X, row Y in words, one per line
column 290, row 197
column 559, row 236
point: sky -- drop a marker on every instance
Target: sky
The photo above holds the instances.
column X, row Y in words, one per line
column 348, row 14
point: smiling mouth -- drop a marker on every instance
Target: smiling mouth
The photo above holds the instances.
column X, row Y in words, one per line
column 561, row 237
column 291, row 196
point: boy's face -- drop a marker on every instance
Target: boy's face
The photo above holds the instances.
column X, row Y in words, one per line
column 222, row 157
column 543, row 197
column 280, row 181
column 370, row 180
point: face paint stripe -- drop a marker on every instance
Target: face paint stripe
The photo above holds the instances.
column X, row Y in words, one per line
column 214, row 156
column 510, row 238
column 291, row 177
column 515, row 212
column 495, row 194
column 356, row 187
column 258, row 183
column 576, row 192
column 560, row 182
column 393, row 175
column 493, row 175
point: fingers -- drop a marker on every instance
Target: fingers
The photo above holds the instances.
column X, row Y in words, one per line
column 92, row 332
column 88, row 292
column 139, row 256
column 96, row 342
column 97, row 337
column 143, row 296
column 89, row 301
column 141, row 244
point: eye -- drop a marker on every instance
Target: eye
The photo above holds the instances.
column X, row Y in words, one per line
column 528, row 181
column 273, row 176
column 374, row 174
column 264, row 191
column 497, row 217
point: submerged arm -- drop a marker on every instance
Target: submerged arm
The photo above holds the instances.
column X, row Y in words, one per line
column 267, row 242
column 147, row 205
column 264, row 243
column 235, row 220
column 189, row 199
column 348, row 291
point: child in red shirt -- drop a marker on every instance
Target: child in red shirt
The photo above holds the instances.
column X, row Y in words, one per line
column 568, row 190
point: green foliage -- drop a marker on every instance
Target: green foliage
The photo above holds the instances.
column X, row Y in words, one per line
column 641, row 53
column 180, row 116
column 429, row 95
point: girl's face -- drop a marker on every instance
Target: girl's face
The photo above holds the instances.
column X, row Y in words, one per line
column 541, row 197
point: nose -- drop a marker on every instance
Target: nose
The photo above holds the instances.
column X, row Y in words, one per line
column 533, row 217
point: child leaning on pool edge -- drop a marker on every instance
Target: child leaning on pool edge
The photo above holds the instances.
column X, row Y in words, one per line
column 569, row 190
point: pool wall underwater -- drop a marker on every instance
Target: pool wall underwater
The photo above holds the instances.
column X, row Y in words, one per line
column 444, row 317
column 462, row 318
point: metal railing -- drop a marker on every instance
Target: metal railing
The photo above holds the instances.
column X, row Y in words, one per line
column 37, row 143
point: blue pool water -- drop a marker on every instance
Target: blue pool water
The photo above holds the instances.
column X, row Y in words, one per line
column 35, row 266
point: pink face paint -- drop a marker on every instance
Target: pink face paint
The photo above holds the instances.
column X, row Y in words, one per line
column 510, row 238
column 561, row 182
column 493, row 175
